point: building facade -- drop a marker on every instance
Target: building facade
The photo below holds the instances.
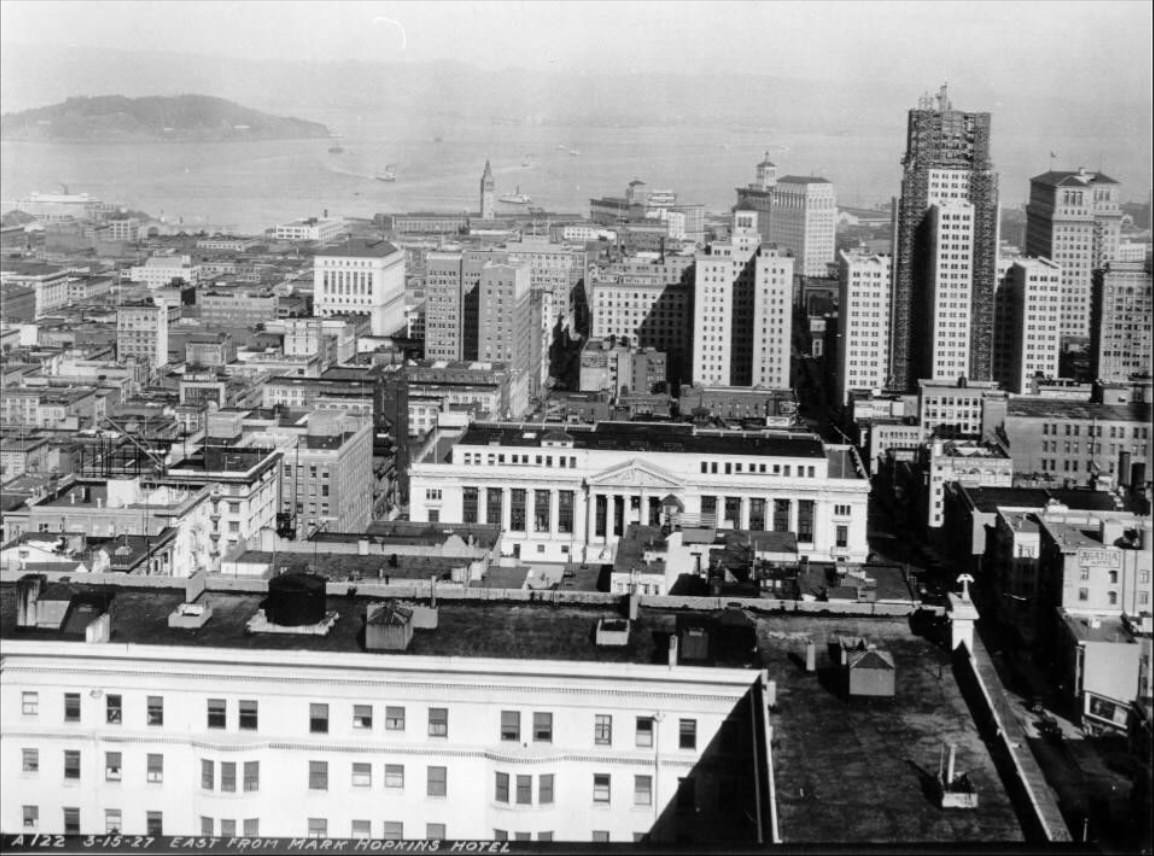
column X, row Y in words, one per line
column 863, row 323
column 947, row 162
column 1122, row 306
column 362, row 277
column 1028, row 341
column 1074, row 219
column 142, row 332
column 802, row 220
column 563, row 493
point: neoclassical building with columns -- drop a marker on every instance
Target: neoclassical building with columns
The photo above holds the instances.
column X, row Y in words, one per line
column 569, row 492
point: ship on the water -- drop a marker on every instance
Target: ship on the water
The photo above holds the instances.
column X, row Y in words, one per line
column 517, row 198
column 388, row 174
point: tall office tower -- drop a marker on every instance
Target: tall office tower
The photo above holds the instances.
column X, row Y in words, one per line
column 504, row 317
column 488, row 194
column 1028, row 341
column 451, row 302
column 1121, row 342
column 802, row 218
column 758, row 195
column 1074, row 219
column 742, row 316
column 947, row 160
column 863, row 322
column 361, row 277
column 948, row 290
column 142, row 332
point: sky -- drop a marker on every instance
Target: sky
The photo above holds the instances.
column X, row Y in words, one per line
column 1085, row 49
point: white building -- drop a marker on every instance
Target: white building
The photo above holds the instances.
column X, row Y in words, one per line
column 161, row 270
column 950, row 281
column 322, row 229
column 802, row 221
column 742, row 312
column 563, row 492
column 1028, row 335
column 863, row 323
column 142, row 332
column 362, row 277
column 224, row 734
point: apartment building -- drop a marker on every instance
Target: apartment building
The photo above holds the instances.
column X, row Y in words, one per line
column 567, row 492
column 1028, row 339
column 863, row 323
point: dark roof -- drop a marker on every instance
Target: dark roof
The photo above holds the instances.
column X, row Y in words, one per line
column 648, row 437
column 359, row 248
column 1071, row 178
column 990, row 499
column 1052, row 408
column 802, row 179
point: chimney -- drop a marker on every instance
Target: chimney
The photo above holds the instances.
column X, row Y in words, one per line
column 99, row 502
column 810, row 656
column 634, row 602
column 672, row 650
column 72, row 497
column 950, row 765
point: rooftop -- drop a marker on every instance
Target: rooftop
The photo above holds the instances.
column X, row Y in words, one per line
column 1071, row 178
column 990, row 499
column 802, row 179
column 1097, row 628
column 649, row 437
column 359, row 248
column 1043, row 408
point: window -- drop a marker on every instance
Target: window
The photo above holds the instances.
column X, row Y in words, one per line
column 248, row 715
column 217, row 713
column 545, row 789
column 502, row 791
column 643, row 790
column 394, row 719
column 31, row 816
column 227, row 828
column 394, row 775
column 517, row 509
column 112, row 709
column 155, row 710
column 72, row 821
column 500, row 835
column 362, row 716
column 154, row 823
column 510, row 725
column 644, row 731
column 601, row 787
column 1083, row 594
column 112, row 766
column 318, row 718
column 541, row 507
column 155, row 771
column 251, row 827
column 600, row 836
column 318, row 827
column 71, row 764
column 437, row 783
column 31, row 760
column 469, row 504
column 72, row 707
column 687, row 734
column 524, row 790
column 362, row 775
column 252, row 776
column 603, row 729
column 206, row 825
column 565, row 511
column 112, row 821
column 362, row 829
column 318, row 775
column 228, row 776
column 438, row 722
column 30, row 704
column 394, row 830
column 207, row 775
column 842, row 535
column 542, row 728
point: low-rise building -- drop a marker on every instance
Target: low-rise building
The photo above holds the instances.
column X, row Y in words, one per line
column 322, row 229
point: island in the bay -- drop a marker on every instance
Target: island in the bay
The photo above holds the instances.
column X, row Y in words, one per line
column 116, row 118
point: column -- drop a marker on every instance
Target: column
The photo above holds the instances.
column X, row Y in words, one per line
column 743, row 517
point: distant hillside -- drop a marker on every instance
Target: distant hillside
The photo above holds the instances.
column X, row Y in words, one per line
column 115, row 118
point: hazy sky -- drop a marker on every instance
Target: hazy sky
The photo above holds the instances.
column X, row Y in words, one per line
column 1081, row 48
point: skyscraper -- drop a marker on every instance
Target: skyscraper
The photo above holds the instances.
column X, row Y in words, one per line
column 803, row 215
column 488, row 194
column 947, row 162
column 1122, row 307
column 742, row 315
column 1073, row 218
column 1027, row 341
column 863, row 322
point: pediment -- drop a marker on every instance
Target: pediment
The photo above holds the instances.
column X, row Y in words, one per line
column 636, row 473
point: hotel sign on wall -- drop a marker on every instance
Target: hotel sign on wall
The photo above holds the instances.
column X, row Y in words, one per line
column 1100, row 558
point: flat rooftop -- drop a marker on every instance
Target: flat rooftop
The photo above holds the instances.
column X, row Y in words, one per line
column 1052, row 408
column 990, row 499
column 648, row 437
column 1097, row 628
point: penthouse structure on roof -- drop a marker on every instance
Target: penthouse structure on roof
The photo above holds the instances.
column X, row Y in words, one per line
column 568, row 492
